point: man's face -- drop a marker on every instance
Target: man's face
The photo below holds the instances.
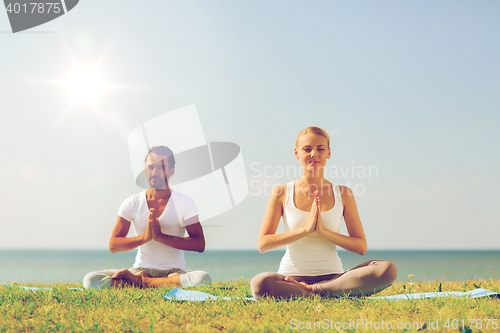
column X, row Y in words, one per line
column 158, row 171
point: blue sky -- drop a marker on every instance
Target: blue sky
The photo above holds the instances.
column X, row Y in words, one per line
column 410, row 88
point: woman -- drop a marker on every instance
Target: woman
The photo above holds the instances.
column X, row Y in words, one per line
column 312, row 210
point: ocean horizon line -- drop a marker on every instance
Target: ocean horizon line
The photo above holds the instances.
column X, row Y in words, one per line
column 243, row 250
column 23, row 265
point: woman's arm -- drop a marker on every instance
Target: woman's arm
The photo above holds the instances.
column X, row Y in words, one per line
column 356, row 241
column 268, row 239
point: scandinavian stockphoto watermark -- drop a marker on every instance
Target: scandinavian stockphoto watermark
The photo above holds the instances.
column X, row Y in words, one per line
column 26, row 14
column 263, row 178
column 212, row 173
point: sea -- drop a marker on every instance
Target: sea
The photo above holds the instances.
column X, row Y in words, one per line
column 61, row 266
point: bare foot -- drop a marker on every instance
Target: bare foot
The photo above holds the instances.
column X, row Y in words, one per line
column 134, row 279
column 171, row 280
column 119, row 283
column 302, row 285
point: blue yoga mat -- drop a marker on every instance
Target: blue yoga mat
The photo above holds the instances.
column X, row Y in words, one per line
column 39, row 288
column 178, row 294
column 480, row 292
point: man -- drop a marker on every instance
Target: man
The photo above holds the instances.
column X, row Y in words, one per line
column 160, row 217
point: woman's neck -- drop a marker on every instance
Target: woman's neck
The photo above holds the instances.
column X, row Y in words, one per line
column 313, row 177
column 312, row 187
column 312, row 181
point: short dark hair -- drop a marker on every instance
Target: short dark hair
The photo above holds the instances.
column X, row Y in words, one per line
column 162, row 150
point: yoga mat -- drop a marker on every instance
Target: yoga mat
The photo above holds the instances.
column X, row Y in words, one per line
column 178, row 294
column 480, row 292
column 38, row 288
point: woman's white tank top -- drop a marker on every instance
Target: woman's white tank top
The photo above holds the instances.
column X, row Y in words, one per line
column 312, row 255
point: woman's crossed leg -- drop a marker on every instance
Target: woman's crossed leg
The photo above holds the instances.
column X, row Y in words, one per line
column 365, row 279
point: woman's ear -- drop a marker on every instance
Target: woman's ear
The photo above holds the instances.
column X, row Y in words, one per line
column 296, row 153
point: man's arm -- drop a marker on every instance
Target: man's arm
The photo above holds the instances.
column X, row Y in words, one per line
column 119, row 241
column 195, row 241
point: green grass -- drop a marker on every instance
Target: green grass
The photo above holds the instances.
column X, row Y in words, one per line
column 145, row 310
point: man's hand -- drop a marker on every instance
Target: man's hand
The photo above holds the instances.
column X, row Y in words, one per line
column 148, row 235
column 154, row 225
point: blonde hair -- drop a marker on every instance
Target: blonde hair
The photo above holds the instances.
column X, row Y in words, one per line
column 313, row 130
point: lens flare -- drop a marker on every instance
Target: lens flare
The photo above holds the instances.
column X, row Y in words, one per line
column 85, row 85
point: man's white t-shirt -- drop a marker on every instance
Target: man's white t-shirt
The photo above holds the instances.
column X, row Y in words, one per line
column 178, row 213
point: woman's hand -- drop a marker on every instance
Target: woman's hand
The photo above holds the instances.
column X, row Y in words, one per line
column 312, row 220
column 303, row 285
column 268, row 238
column 320, row 228
column 356, row 241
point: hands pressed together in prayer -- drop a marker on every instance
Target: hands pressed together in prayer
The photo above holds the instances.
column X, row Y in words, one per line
column 314, row 222
column 153, row 229
column 124, row 276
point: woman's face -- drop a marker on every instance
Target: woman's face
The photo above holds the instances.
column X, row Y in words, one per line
column 312, row 151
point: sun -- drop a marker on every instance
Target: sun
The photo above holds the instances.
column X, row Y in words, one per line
column 85, row 85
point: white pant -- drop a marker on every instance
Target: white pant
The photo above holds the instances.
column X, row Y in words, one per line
column 100, row 279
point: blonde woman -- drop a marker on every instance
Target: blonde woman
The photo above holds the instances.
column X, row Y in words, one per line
column 312, row 209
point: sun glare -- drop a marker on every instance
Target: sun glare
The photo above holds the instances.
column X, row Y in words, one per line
column 85, row 85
